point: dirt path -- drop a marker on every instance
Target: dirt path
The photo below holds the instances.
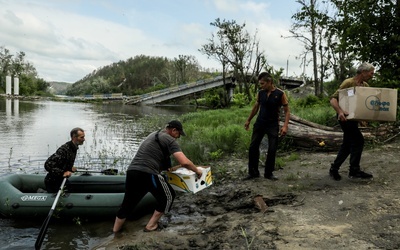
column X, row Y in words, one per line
column 306, row 209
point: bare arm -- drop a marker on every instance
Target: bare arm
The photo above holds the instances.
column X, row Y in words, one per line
column 285, row 126
column 186, row 163
column 253, row 112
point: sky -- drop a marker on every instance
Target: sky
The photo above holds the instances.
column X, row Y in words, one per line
column 66, row 40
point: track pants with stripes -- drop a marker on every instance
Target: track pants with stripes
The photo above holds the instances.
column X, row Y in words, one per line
column 138, row 184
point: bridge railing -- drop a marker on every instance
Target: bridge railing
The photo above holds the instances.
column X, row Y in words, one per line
column 166, row 91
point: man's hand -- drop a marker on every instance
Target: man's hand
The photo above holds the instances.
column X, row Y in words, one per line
column 342, row 116
column 283, row 131
column 199, row 173
column 67, row 174
column 246, row 125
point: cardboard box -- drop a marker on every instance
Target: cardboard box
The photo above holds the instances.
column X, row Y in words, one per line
column 369, row 104
column 185, row 180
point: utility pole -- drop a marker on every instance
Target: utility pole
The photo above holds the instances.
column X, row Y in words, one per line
column 287, row 66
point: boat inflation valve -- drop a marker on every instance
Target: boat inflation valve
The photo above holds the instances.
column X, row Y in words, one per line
column 89, row 196
column 69, row 205
column 15, row 205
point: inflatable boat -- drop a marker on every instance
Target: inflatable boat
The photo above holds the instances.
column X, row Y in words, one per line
column 23, row 195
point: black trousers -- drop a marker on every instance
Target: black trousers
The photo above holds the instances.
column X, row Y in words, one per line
column 259, row 131
column 138, row 184
column 353, row 145
column 53, row 184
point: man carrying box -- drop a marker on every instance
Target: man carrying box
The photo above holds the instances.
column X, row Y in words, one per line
column 353, row 140
column 144, row 174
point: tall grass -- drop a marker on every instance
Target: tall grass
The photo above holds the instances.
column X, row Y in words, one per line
column 221, row 132
column 215, row 133
column 314, row 109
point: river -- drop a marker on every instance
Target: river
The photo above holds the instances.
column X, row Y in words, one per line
column 30, row 131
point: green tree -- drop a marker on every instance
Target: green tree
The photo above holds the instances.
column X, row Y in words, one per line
column 374, row 33
column 187, row 68
column 16, row 66
column 310, row 26
column 236, row 50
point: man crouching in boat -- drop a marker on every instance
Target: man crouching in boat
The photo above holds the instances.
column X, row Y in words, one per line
column 60, row 165
column 144, row 174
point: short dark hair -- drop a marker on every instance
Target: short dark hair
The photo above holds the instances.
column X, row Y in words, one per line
column 74, row 131
column 265, row 76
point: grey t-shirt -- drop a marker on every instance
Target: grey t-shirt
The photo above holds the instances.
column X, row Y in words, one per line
column 149, row 156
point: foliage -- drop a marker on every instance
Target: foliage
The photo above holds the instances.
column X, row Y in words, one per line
column 187, row 68
column 215, row 98
column 311, row 101
column 372, row 29
column 309, row 24
column 14, row 66
column 331, row 86
column 239, row 100
column 139, row 75
column 340, row 34
column 237, row 51
column 314, row 109
column 214, row 133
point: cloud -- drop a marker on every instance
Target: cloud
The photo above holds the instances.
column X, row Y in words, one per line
column 66, row 40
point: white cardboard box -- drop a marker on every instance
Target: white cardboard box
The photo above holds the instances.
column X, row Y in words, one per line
column 185, row 180
column 369, row 104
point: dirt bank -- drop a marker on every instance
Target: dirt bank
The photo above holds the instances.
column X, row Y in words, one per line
column 306, row 209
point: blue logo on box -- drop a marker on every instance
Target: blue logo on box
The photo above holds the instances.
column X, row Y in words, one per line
column 373, row 102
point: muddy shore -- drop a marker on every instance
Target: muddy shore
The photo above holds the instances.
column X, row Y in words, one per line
column 306, row 209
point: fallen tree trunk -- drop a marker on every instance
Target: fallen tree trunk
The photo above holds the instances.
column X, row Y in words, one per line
column 307, row 135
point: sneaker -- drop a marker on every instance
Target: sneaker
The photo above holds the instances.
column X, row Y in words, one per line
column 335, row 174
column 250, row 177
column 271, row 177
column 360, row 174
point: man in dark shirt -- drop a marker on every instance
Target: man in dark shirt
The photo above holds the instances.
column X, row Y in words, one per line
column 269, row 101
column 60, row 165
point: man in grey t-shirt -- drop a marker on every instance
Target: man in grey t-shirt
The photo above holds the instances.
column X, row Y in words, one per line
column 144, row 174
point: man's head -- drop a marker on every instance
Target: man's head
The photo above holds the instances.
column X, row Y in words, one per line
column 77, row 136
column 265, row 80
column 366, row 71
column 175, row 125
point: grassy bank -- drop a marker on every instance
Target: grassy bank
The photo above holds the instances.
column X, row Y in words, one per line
column 214, row 134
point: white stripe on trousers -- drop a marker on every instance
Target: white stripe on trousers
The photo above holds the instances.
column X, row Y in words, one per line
column 166, row 191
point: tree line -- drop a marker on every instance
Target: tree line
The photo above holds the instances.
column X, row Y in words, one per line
column 139, row 75
column 341, row 33
column 17, row 66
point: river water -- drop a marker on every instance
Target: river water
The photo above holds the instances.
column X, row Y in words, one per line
column 30, row 131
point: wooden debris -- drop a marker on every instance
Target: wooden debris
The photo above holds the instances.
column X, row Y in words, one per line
column 303, row 134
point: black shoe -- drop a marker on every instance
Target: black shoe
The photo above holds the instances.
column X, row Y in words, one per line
column 250, row 177
column 271, row 177
column 360, row 174
column 334, row 173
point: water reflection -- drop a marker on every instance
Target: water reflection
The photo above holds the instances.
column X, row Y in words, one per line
column 32, row 130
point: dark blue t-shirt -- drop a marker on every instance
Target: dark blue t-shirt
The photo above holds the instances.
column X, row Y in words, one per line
column 269, row 107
